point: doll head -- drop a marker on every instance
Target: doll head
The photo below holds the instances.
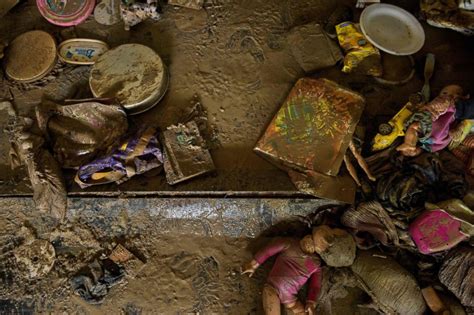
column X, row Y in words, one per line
column 453, row 90
column 335, row 246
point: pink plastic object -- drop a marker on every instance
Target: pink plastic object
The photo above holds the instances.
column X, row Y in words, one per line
column 65, row 12
column 435, row 231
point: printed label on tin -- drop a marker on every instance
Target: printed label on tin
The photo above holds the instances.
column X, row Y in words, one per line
column 81, row 51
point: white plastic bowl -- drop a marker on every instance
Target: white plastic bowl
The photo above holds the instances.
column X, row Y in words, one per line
column 392, row 29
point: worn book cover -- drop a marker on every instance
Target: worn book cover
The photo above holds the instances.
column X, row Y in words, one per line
column 312, row 129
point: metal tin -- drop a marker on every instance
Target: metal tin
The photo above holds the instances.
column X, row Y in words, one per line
column 81, row 51
column 65, row 12
column 30, row 56
column 134, row 74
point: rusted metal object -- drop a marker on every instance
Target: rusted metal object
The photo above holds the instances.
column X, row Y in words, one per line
column 30, row 56
column 313, row 128
column 133, row 74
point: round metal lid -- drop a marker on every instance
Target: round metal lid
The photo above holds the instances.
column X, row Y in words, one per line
column 132, row 73
column 65, row 12
column 30, row 56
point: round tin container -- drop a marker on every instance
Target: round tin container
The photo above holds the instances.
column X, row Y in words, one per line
column 134, row 74
column 81, row 51
column 65, row 12
column 30, row 56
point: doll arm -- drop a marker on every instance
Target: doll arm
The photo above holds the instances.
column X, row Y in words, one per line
column 314, row 286
column 276, row 246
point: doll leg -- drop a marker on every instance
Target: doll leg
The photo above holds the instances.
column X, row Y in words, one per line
column 408, row 148
column 271, row 301
column 352, row 171
column 296, row 308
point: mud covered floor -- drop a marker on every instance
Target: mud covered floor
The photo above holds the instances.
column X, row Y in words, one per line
column 192, row 258
column 235, row 57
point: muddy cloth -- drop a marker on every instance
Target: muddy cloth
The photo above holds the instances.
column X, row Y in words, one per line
column 95, row 282
column 435, row 120
column 137, row 155
column 49, row 189
column 465, row 153
column 292, row 269
column 465, row 109
column 370, row 217
column 457, row 274
column 79, row 132
column 391, row 287
column 408, row 182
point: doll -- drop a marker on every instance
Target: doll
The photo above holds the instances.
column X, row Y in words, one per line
column 298, row 262
column 430, row 127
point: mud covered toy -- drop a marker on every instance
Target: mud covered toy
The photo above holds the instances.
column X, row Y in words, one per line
column 298, row 262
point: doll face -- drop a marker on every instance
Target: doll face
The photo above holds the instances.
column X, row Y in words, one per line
column 323, row 237
column 454, row 91
column 307, row 244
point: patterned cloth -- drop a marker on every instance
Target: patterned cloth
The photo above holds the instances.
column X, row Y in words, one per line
column 435, row 121
column 292, row 269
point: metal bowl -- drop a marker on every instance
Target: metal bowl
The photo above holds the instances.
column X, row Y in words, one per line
column 133, row 74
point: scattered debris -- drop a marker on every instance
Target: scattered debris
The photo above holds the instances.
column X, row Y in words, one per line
column 137, row 155
column 127, row 260
column 36, row 258
column 361, row 56
column 190, row 4
column 446, row 14
column 435, row 231
column 94, row 283
column 49, row 190
column 312, row 49
column 80, row 131
column 370, row 217
column 135, row 12
column 186, row 153
column 363, row 3
column 341, row 188
column 456, row 273
column 107, row 12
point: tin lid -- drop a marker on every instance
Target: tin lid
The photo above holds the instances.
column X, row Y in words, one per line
column 81, row 51
column 132, row 73
column 30, row 56
column 65, row 12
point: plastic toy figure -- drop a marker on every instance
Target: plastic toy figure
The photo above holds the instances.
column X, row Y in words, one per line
column 429, row 128
column 297, row 264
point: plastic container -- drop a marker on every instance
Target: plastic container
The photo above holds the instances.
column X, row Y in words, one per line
column 65, row 13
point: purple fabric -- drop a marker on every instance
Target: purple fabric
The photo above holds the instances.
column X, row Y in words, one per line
column 150, row 158
column 440, row 137
column 292, row 269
